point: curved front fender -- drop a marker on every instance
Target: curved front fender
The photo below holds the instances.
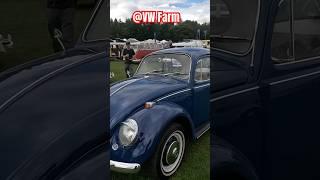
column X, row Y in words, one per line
column 226, row 160
column 152, row 124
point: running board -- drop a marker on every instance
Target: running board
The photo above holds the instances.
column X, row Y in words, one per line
column 202, row 130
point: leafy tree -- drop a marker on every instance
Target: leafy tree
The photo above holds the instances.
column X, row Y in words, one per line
column 185, row 30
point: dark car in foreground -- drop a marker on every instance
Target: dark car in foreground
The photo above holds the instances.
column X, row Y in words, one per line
column 53, row 115
column 265, row 94
column 156, row 112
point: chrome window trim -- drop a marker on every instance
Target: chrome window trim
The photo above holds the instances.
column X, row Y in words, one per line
column 85, row 32
column 294, row 60
column 253, row 39
column 201, row 60
column 204, row 85
column 292, row 37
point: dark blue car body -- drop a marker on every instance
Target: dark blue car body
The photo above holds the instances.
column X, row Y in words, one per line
column 53, row 114
column 265, row 112
column 174, row 99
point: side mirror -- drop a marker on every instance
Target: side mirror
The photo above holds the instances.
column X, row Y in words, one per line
column 5, row 43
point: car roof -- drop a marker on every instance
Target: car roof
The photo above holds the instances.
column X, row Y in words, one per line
column 195, row 53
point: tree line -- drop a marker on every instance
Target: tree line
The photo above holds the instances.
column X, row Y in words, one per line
column 185, row 30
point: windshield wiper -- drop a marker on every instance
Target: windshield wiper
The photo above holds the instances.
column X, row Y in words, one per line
column 153, row 72
column 231, row 37
column 175, row 73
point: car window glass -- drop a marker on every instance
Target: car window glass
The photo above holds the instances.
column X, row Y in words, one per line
column 296, row 33
column 282, row 44
column 97, row 29
column 306, row 28
column 202, row 71
column 234, row 24
column 167, row 64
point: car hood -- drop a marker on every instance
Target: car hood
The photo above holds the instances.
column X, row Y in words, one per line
column 29, row 133
column 18, row 78
column 130, row 95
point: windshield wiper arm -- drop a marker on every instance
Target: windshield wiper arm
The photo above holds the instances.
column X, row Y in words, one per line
column 153, row 72
column 175, row 73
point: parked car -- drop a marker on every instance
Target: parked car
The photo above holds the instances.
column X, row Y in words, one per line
column 265, row 94
column 156, row 112
column 53, row 115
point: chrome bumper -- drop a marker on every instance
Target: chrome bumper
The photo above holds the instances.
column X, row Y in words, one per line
column 122, row 167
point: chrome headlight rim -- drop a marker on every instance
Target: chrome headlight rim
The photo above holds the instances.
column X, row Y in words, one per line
column 132, row 127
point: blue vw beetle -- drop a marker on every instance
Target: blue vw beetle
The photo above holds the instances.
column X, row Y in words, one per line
column 155, row 113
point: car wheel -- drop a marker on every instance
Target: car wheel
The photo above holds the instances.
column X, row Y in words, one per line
column 169, row 153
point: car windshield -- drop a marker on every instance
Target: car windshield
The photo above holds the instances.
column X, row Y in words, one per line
column 234, row 24
column 175, row 65
column 97, row 29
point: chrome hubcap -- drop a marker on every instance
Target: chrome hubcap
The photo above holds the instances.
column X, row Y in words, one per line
column 172, row 153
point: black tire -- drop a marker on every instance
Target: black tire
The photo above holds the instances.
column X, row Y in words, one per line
column 157, row 163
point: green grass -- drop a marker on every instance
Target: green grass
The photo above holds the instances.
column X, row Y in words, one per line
column 117, row 68
column 196, row 164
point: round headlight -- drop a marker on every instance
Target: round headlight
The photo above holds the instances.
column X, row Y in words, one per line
column 128, row 132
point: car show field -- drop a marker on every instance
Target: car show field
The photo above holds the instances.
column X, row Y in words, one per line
column 196, row 162
column 197, row 157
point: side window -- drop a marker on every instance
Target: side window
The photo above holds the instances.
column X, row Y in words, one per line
column 234, row 25
column 282, row 43
column 97, row 29
column 306, row 28
column 296, row 33
column 202, row 71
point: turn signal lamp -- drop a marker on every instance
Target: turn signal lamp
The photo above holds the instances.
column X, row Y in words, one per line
column 149, row 105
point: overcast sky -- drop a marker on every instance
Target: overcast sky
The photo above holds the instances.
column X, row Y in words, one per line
column 197, row 10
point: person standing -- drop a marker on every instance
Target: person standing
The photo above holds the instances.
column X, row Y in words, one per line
column 128, row 54
column 61, row 17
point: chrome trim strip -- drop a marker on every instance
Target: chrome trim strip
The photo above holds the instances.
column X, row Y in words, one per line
column 201, row 86
column 206, row 128
column 172, row 94
column 125, row 85
column 122, row 167
column 256, row 87
column 294, row 78
column 294, row 61
column 234, row 93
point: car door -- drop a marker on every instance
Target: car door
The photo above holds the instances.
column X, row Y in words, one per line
column 201, row 90
column 293, row 86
